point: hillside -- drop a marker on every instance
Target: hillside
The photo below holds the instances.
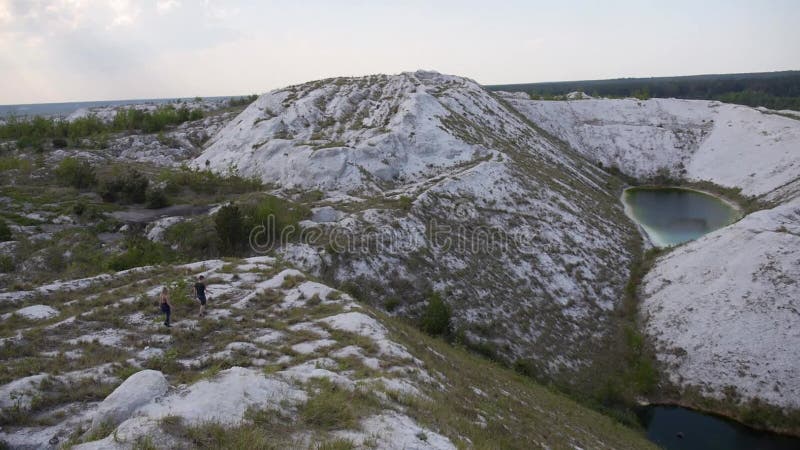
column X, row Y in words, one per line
column 729, row 145
column 429, row 183
column 280, row 361
column 724, row 309
column 721, row 310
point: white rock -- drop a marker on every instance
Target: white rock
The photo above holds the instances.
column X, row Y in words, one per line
column 305, row 348
column 37, row 312
column 225, row 398
column 138, row 390
column 20, row 392
column 394, row 431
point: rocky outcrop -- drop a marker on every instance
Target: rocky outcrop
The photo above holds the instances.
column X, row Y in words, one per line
column 138, row 390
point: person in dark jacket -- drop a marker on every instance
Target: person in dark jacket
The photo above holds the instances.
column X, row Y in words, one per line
column 166, row 306
column 200, row 291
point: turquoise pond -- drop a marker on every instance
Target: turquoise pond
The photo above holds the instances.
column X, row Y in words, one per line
column 672, row 216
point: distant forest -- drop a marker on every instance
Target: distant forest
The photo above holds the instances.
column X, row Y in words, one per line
column 774, row 90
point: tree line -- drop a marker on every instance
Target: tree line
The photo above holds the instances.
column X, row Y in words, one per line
column 774, row 90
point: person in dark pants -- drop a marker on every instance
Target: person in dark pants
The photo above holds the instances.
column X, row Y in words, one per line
column 200, row 292
column 166, row 306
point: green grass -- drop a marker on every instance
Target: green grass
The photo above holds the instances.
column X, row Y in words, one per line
column 518, row 412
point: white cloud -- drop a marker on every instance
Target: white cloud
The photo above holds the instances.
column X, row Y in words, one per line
column 214, row 10
column 124, row 12
column 165, row 6
column 5, row 12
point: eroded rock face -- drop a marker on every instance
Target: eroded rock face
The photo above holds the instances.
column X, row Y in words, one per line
column 138, row 390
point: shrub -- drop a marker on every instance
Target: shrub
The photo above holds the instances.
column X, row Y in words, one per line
column 242, row 101
column 230, row 227
column 391, row 304
column 59, row 143
column 14, row 163
column 436, row 317
column 76, row 173
column 79, row 207
column 128, row 187
column 154, row 121
column 194, row 237
column 139, row 252
column 279, row 217
column 6, row 264
column 156, row 198
column 207, row 182
column 330, row 409
column 5, row 231
column 405, row 202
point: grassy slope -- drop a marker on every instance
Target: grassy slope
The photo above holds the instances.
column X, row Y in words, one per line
column 516, row 412
column 519, row 413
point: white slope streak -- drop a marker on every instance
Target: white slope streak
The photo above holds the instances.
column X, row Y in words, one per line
column 725, row 309
column 730, row 145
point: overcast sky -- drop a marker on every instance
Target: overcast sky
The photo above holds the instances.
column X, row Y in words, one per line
column 72, row 50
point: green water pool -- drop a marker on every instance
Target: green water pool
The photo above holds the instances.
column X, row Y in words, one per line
column 672, row 216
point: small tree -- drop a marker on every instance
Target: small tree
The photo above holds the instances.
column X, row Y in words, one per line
column 76, row 173
column 229, row 223
column 128, row 187
column 436, row 317
column 156, row 198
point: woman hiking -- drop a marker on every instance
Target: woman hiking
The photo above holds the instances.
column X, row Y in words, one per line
column 166, row 306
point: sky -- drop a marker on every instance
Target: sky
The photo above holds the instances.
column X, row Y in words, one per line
column 75, row 50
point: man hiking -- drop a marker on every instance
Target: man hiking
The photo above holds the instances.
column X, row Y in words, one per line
column 200, row 293
column 166, row 306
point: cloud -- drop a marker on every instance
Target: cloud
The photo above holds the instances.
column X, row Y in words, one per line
column 5, row 12
column 165, row 6
column 124, row 12
column 215, row 11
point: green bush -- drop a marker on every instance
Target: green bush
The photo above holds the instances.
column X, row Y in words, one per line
column 278, row 216
column 6, row 264
column 5, row 231
column 405, row 202
column 139, row 252
column 196, row 238
column 231, row 231
column 242, row 101
column 14, row 163
column 127, row 187
column 435, row 319
column 208, row 182
column 131, row 119
column 76, row 173
column 156, row 198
